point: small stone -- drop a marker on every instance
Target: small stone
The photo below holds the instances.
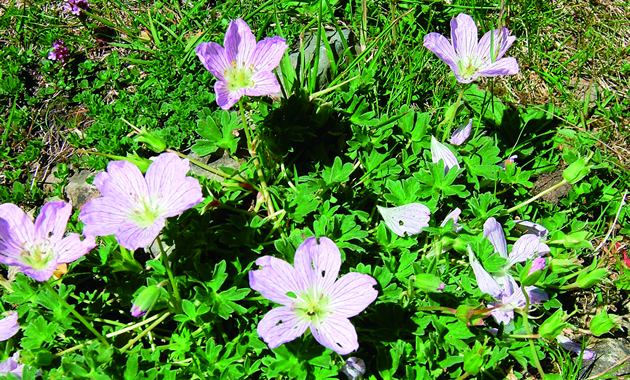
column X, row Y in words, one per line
column 78, row 191
column 609, row 353
column 224, row 161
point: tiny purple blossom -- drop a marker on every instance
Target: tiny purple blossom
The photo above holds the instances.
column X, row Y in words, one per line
column 469, row 59
column 134, row 208
column 539, row 263
column 570, row 345
column 9, row 326
column 38, row 248
column 12, row 365
column 461, row 134
column 136, row 312
column 510, row 161
column 243, row 67
column 439, row 152
column 312, row 297
column 76, row 7
column 59, row 51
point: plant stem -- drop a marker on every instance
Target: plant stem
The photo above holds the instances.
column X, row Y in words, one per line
column 76, row 314
column 208, row 168
column 552, row 188
column 529, row 332
column 145, row 332
column 252, row 152
column 451, row 117
column 167, row 264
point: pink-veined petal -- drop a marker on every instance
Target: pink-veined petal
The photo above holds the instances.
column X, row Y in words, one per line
column 464, row 35
column 9, row 326
column 409, row 219
column 226, row 98
column 336, row 333
column 275, row 280
column 265, row 84
column 461, row 134
column 239, row 42
column 493, row 231
column 10, row 250
column 570, row 345
column 132, row 236
column 439, row 152
column 536, row 295
column 351, row 294
column 123, row 181
column 72, row 247
column 441, row 47
column 268, row 53
column 19, row 227
column 318, row 262
column 213, row 57
column 485, row 281
column 104, row 216
column 281, row 325
column 454, row 216
column 494, row 44
column 501, row 314
column 168, row 184
column 504, row 66
column 52, row 221
column 41, row 274
column 525, row 248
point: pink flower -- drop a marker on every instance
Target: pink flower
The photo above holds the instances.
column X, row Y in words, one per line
column 469, row 59
column 243, row 67
column 134, row 208
column 461, row 134
column 38, row 248
column 9, row 326
column 311, row 296
column 12, row 365
column 59, row 51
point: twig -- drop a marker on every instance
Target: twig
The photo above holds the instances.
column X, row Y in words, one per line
column 612, row 227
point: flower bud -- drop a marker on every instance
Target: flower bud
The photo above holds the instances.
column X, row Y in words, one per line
column 429, row 283
column 588, row 278
column 532, row 271
column 154, row 143
column 554, row 325
column 145, row 301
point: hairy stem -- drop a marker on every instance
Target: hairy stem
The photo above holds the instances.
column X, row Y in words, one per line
column 528, row 330
column 167, row 264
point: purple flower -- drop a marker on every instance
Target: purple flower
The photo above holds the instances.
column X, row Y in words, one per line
column 461, row 134
column 453, row 215
column 311, row 296
column 539, row 263
column 38, row 248
column 243, row 67
column 136, row 311
column 570, row 345
column 59, row 52
column 76, row 7
column 9, row 326
column 526, row 247
column 468, row 59
column 439, row 152
column 11, row 365
column 354, row 368
column 134, row 208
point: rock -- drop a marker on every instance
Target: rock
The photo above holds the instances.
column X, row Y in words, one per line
column 78, row 191
column 224, row 161
column 609, row 356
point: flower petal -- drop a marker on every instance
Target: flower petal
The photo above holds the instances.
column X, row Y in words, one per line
column 570, row 345
column 336, row 333
column 409, row 219
column 464, row 35
column 454, row 215
column 495, row 41
column 226, row 98
column 531, row 227
column 19, row 227
column 318, row 262
column 104, row 216
column 268, row 53
column 281, row 325
column 351, row 294
column 439, row 152
column 9, row 326
column 441, row 47
column 40, row 274
column 504, row 66
column 493, row 231
column 526, row 247
column 123, row 181
column 132, row 236
column 213, row 57
column 239, row 42
column 72, row 247
column 52, row 221
column 461, row 134
column 275, row 280
column 536, row 295
column 167, row 182
column 485, row 281
column 265, row 84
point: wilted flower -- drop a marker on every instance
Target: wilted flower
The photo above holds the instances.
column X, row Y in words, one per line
column 12, row 365
column 9, row 326
column 38, row 248
column 134, row 208
column 76, row 6
column 311, row 296
column 461, row 134
column 354, row 368
column 532, row 228
column 468, row 59
column 243, row 67
column 439, row 152
column 570, row 345
column 59, row 52
column 408, row 219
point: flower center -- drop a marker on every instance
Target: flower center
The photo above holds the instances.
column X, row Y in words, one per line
column 37, row 256
column 145, row 213
column 313, row 305
column 468, row 66
column 239, row 76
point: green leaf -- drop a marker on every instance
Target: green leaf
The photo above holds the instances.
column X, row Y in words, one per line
column 338, row 173
column 131, row 369
column 576, row 171
column 37, row 332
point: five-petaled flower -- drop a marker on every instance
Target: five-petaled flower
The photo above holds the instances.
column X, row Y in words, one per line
column 469, row 59
column 134, row 208
column 311, row 296
column 38, row 248
column 243, row 67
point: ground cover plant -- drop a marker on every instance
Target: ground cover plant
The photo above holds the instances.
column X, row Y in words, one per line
column 313, row 189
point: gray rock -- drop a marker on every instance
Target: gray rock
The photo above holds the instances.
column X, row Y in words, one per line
column 609, row 356
column 225, row 161
column 78, row 191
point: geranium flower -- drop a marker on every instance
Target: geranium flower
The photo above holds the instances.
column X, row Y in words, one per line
column 9, row 326
column 468, row 59
column 461, row 134
column 59, row 51
column 76, row 7
column 439, row 152
column 38, row 248
column 243, row 67
column 134, row 208
column 12, row 365
column 311, row 296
